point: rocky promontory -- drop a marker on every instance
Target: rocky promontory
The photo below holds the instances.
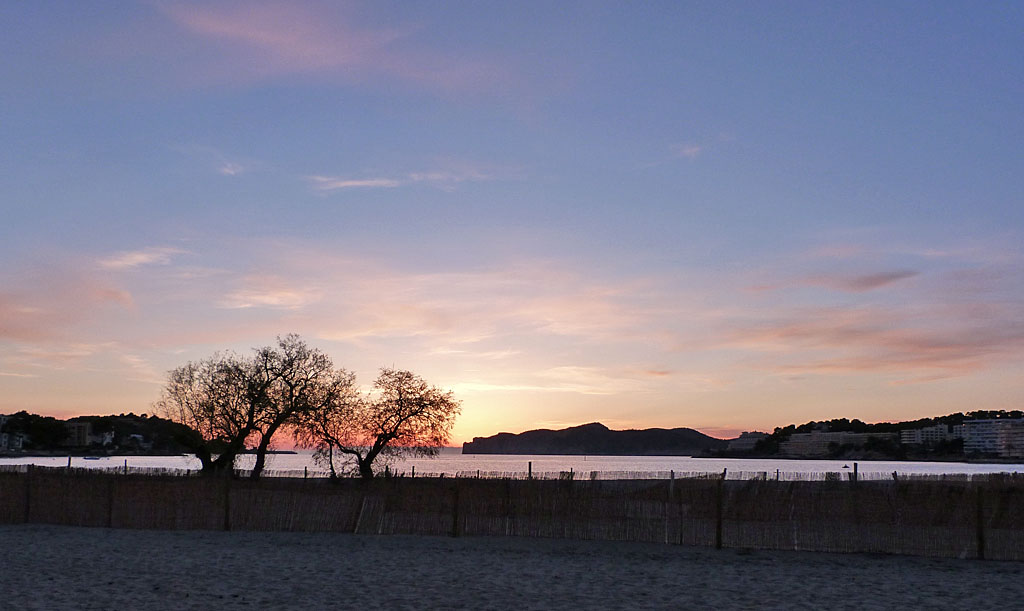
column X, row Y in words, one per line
column 596, row 439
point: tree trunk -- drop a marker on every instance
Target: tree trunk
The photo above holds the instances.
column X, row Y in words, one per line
column 261, row 458
column 205, row 460
column 366, row 462
column 330, row 461
column 224, row 464
column 261, row 450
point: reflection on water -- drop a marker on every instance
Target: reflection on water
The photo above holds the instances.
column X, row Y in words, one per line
column 452, row 462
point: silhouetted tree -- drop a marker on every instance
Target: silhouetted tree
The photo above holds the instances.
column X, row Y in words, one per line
column 229, row 401
column 299, row 380
column 41, row 432
column 402, row 416
column 220, row 399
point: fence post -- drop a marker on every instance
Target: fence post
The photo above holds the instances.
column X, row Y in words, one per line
column 508, row 506
column 28, row 493
column 719, row 502
column 111, row 479
column 455, row 510
column 981, row 522
column 529, row 470
column 668, row 501
column 227, row 503
column 682, row 514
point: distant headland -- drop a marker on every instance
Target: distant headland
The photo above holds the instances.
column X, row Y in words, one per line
column 597, row 439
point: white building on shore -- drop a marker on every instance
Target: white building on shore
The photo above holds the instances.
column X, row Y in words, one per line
column 818, row 443
column 1001, row 436
column 746, row 441
column 929, row 435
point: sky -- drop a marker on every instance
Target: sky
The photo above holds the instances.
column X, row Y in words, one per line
column 726, row 216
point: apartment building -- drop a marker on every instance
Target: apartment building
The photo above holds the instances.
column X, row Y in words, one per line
column 1001, row 436
column 929, row 435
column 817, row 443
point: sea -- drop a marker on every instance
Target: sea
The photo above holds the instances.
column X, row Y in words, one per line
column 453, row 463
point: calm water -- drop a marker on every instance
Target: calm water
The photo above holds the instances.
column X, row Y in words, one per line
column 452, row 462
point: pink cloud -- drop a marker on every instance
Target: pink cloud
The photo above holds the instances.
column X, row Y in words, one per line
column 266, row 39
column 58, row 305
column 863, row 282
column 270, row 291
column 287, row 37
column 136, row 258
column 849, row 283
column 850, row 340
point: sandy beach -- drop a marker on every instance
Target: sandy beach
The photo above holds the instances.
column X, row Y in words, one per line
column 53, row 567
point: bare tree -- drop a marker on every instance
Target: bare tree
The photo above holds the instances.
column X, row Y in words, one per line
column 298, row 376
column 219, row 399
column 230, row 401
column 402, row 416
column 328, row 426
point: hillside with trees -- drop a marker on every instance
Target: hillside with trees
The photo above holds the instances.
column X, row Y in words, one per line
column 887, row 445
column 124, row 434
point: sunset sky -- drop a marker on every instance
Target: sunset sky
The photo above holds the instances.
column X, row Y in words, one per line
column 719, row 215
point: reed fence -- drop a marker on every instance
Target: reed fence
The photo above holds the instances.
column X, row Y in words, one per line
column 959, row 516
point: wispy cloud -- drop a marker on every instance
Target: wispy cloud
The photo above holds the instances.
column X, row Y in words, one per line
column 140, row 369
column 850, row 283
column 229, row 168
column 9, row 374
column 458, row 308
column 59, row 355
column 329, row 183
column 572, row 379
column 688, row 150
column 489, row 355
column 286, row 37
column 57, row 305
column 215, row 159
column 864, row 282
column 882, row 340
column 136, row 258
column 591, row 380
column 264, row 39
column 269, row 291
column 444, row 179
